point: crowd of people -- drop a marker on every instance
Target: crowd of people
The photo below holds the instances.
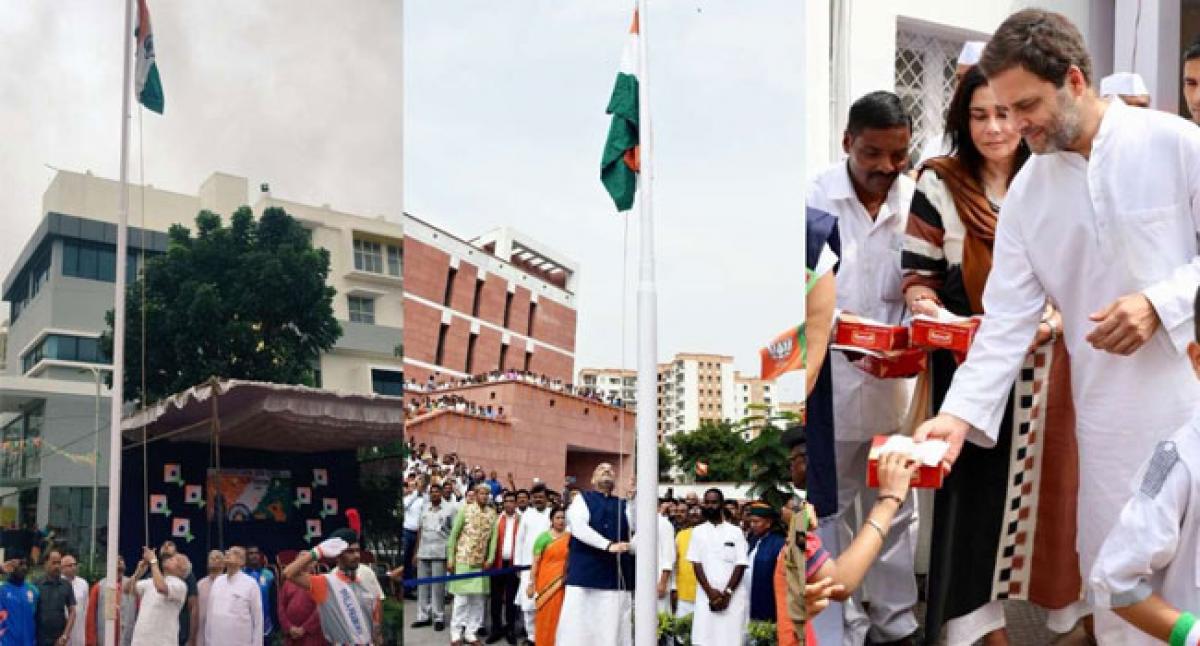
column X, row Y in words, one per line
column 1068, row 484
column 455, row 403
column 434, row 384
column 237, row 601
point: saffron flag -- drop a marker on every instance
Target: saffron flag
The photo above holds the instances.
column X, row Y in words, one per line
column 619, row 165
column 149, row 86
column 787, row 352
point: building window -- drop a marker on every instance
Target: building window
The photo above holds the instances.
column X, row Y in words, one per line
column 362, row 310
column 507, row 307
column 441, row 344
column 395, row 260
column 471, row 353
column 925, row 83
column 368, row 256
column 70, row 515
column 528, row 360
column 387, row 382
column 532, row 316
column 64, row 348
column 478, row 294
column 95, row 261
column 503, row 356
column 450, row 276
column 22, row 445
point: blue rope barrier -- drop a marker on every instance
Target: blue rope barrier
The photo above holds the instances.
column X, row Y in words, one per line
column 412, row 583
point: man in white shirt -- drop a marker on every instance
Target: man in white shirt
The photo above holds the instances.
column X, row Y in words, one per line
column 70, row 572
column 534, row 522
column 162, row 597
column 413, row 504
column 504, row 586
column 718, row 553
column 870, row 196
column 235, row 614
column 666, row 555
column 1103, row 220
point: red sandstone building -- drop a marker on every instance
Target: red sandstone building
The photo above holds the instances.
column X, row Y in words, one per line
column 499, row 301
column 544, row 433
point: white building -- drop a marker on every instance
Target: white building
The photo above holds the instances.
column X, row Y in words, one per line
column 751, row 393
column 612, row 383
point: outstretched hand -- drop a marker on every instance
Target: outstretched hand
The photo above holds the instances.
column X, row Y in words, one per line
column 948, row 428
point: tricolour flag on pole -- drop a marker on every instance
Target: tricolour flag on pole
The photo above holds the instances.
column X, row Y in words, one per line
column 619, row 166
column 787, row 352
column 149, row 86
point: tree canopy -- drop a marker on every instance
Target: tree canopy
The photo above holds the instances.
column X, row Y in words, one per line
column 244, row 301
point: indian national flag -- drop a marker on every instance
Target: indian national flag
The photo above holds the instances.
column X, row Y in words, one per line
column 149, row 86
column 619, row 166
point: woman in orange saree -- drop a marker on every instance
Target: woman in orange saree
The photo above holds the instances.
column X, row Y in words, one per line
column 548, row 574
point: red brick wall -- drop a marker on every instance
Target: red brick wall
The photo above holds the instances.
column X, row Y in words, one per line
column 487, row 350
column 491, row 308
column 425, row 270
column 555, row 324
column 462, row 298
column 518, row 316
column 454, row 351
column 537, row 437
column 552, row 364
column 421, row 324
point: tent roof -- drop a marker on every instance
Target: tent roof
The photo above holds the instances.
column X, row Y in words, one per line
column 272, row 417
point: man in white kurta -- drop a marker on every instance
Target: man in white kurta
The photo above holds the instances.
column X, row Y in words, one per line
column 597, row 605
column 718, row 551
column 1154, row 549
column 1103, row 220
column 870, row 196
column 234, row 615
column 666, row 562
column 70, row 572
column 534, row 520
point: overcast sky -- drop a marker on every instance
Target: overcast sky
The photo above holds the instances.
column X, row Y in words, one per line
column 503, row 115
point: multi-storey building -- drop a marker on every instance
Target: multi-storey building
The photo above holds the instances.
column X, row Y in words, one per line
column 501, row 301
column 612, row 383
column 751, row 393
column 60, row 286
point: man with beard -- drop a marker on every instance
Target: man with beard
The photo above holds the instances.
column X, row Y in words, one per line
column 56, row 603
column 18, row 606
column 234, row 614
column 350, row 612
column 1113, row 245
column 719, row 555
column 597, row 604
column 869, row 195
column 1191, row 79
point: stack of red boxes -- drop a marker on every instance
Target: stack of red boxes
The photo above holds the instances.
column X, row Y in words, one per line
column 954, row 334
column 884, row 348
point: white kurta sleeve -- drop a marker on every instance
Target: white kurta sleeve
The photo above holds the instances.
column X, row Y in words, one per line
column 1146, row 535
column 519, row 558
column 578, row 519
column 256, row 615
column 1013, row 301
column 666, row 546
column 1173, row 297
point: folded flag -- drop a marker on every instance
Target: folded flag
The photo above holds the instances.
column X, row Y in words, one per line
column 149, row 86
column 787, row 352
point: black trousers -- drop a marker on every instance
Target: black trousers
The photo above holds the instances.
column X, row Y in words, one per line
column 504, row 593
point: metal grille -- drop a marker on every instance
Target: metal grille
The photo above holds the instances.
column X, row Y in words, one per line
column 925, row 82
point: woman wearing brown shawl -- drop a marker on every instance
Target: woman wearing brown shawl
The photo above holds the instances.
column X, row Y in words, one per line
column 1004, row 521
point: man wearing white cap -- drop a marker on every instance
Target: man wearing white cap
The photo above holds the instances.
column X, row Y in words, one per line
column 1127, row 86
column 936, row 144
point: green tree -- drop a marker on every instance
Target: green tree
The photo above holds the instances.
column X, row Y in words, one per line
column 666, row 460
column 767, row 468
column 247, row 301
column 717, row 444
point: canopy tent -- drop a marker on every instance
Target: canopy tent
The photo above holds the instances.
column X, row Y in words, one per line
column 256, row 415
column 181, row 455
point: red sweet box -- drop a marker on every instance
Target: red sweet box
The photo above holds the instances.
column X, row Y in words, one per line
column 926, row 477
column 870, row 335
column 944, row 335
column 895, row 365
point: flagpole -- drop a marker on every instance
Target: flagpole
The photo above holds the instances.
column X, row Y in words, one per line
column 117, row 393
column 646, row 538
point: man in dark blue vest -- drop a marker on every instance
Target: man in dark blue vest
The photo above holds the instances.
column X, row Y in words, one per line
column 598, row 602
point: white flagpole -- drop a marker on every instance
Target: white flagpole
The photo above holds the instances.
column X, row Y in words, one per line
column 113, row 598
column 646, row 539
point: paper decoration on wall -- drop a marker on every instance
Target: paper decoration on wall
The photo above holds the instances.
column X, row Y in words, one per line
column 173, row 473
column 303, row 496
column 329, row 507
column 250, row 494
column 182, row 528
column 320, row 477
column 158, row 505
column 312, row 529
column 194, row 495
